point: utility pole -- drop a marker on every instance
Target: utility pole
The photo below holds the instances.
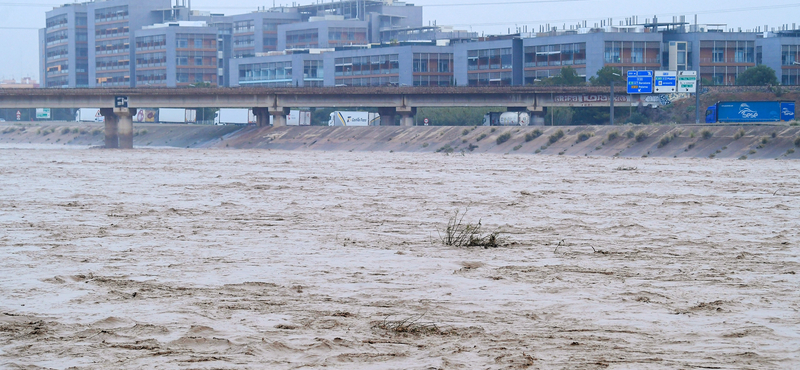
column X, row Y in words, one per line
column 697, row 101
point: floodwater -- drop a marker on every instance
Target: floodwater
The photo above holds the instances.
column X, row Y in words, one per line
column 202, row 259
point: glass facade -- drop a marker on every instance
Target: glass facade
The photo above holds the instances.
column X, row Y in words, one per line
column 632, row 52
column 726, row 52
column 369, row 65
column 489, row 59
column 313, row 73
column 433, row 69
column 274, row 74
column 302, row 39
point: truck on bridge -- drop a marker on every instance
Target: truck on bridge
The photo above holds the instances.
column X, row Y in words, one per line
column 751, row 111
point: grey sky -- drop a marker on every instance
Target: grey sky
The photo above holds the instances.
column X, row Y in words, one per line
column 20, row 46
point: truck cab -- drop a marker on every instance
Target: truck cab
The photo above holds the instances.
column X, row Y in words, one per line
column 711, row 114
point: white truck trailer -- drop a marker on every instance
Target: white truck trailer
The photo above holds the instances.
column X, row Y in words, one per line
column 173, row 115
column 232, row 116
column 89, row 115
column 340, row 118
column 507, row 119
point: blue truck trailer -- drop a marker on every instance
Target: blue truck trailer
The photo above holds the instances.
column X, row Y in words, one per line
column 750, row 111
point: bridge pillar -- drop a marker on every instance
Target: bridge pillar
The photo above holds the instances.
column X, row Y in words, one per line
column 279, row 116
column 407, row 116
column 111, row 129
column 538, row 115
column 262, row 116
column 125, row 127
column 387, row 116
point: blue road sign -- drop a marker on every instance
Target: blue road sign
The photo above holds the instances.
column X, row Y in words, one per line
column 640, row 82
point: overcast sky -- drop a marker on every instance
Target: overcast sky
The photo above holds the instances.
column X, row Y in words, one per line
column 19, row 38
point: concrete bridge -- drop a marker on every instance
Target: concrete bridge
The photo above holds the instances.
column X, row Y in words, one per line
column 118, row 106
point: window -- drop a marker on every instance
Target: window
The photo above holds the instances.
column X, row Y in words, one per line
column 182, row 61
column 198, row 61
column 198, row 43
column 182, row 42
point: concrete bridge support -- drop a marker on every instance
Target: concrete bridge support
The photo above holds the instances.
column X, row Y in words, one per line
column 125, row 119
column 407, row 116
column 262, row 116
column 387, row 116
column 118, row 127
column 111, row 129
column 279, row 115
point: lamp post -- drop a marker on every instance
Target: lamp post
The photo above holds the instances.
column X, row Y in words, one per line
column 612, row 97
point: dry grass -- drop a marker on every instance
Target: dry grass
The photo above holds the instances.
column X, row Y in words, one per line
column 461, row 234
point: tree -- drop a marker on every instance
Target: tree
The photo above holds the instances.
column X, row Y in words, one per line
column 607, row 74
column 568, row 77
column 758, row 76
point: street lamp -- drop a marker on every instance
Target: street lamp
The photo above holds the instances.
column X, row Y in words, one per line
column 612, row 97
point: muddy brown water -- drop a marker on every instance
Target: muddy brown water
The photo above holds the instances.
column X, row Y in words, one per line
column 164, row 258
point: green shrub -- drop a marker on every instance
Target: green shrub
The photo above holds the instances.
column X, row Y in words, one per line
column 483, row 136
column 425, row 145
column 691, row 146
column 638, row 118
column 583, row 136
column 445, row 149
column 706, row 134
column 556, row 137
column 641, row 136
column 493, row 129
column 96, row 132
column 533, row 135
column 518, row 147
column 742, row 157
column 739, row 134
column 629, row 134
column 65, row 130
column 465, row 132
column 664, row 140
column 797, row 141
column 503, row 138
column 472, row 147
column 613, row 135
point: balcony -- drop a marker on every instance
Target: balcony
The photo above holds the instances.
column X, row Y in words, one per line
column 728, row 60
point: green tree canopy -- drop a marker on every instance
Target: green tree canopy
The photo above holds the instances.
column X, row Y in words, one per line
column 758, row 76
column 567, row 77
column 607, row 74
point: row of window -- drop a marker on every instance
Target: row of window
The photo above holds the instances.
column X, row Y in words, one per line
column 112, row 47
column 266, row 72
column 433, row 62
column 302, row 38
column 151, row 60
column 151, row 42
column 490, row 79
column 727, row 52
column 113, row 79
column 790, row 54
column 114, row 62
column 434, row 80
column 196, row 41
column 111, row 14
column 555, row 55
column 489, row 59
column 631, row 52
column 111, row 30
column 371, row 65
column 369, row 81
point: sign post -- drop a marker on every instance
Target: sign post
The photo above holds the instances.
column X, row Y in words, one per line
column 42, row 113
column 120, row 102
column 666, row 82
column 687, row 81
column 640, row 82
